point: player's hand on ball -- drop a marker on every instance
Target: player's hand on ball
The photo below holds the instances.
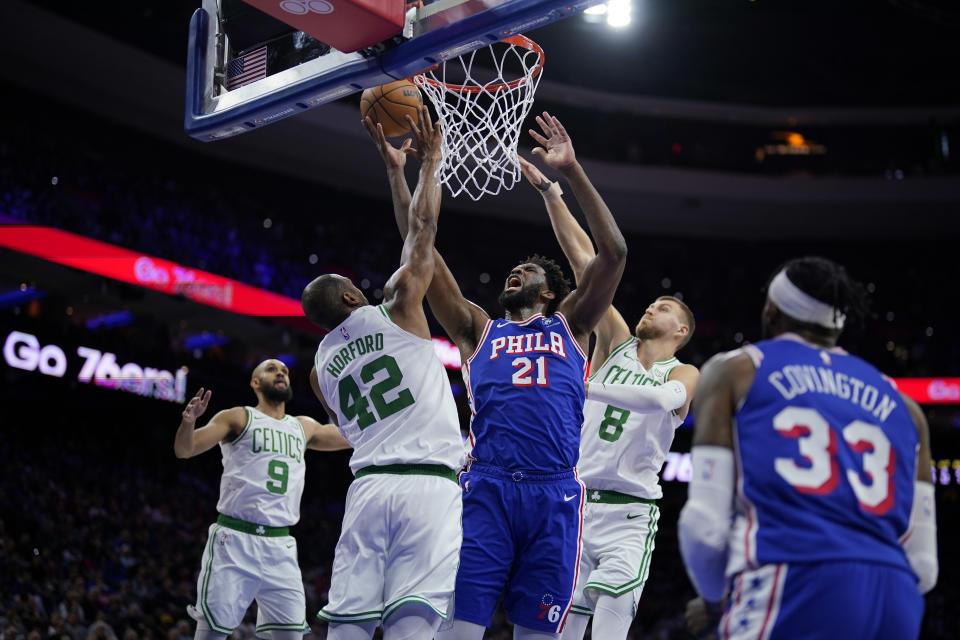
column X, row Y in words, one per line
column 555, row 148
column 196, row 406
column 394, row 158
column 429, row 136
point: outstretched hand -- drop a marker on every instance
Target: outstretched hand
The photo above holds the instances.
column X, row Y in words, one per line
column 429, row 136
column 196, row 406
column 555, row 148
column 393, row 157
column 534, row 176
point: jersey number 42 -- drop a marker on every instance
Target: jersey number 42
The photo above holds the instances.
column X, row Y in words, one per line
column 354, row 405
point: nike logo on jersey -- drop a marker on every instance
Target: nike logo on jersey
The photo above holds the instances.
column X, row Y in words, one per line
column 567, row 498
column 630, row 517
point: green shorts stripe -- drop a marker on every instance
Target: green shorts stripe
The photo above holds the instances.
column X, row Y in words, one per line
column 349, row 618
column 208, row 571
column 391, row 608
column 279, row 626
column 619, row 590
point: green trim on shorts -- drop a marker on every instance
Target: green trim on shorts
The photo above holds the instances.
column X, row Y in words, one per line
column 617, row 591
column 349, row 618
column 391, row 608
column 251, row 527
column 279, row 626
column 204, row 607
column 580, row 611
column 603, row 496
column 438, row 470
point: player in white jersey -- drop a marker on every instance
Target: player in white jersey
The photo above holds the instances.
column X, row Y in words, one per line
column 378, row 377
column 249, row 553
column 637, row 394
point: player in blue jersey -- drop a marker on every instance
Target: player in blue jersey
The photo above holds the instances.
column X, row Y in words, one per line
column 522, row 502
column 823, row 468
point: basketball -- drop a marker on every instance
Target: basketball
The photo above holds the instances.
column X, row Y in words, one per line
column 389, row 103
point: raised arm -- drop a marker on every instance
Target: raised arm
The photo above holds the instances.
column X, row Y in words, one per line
column 395, row 159
column 461, row 319
column 598, row 281
column 190, row 442
column 405, row 290
column 611, row 329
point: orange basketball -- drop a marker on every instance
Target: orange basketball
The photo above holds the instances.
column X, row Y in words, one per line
column 389, row 103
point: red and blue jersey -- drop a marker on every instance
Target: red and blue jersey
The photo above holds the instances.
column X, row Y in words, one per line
column 525, row 383
column 826, row 454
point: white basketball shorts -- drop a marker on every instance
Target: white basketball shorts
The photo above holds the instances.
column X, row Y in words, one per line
column 617, row 547
column 239, row 567
column 400, row 544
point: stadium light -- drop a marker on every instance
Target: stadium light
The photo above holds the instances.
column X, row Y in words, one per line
column 618, row 13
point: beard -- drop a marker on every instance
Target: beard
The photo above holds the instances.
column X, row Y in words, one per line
column 649, row 332
column 523, row 298
column 275, row 394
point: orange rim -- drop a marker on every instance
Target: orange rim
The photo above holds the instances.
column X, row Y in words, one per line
column 519, row 40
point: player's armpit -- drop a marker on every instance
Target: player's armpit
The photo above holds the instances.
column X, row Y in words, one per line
column 315, row 385
column 612, row 331
column 462, row 320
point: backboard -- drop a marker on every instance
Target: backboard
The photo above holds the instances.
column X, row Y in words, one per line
column 246, row 69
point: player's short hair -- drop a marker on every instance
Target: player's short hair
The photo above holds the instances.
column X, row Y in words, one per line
column 322, row 301
column 687, row 318
column 829, row 283
column 556, row 280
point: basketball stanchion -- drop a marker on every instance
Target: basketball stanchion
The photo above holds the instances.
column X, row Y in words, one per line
column 481, row 100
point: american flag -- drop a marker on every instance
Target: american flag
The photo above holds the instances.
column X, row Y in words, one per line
column 247, row 68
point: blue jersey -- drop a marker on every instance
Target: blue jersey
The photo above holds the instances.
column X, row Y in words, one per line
column 525, row 383
column 826, row 454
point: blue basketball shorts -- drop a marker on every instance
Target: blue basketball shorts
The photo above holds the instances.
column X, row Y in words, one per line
column 823, row 601
column 521, row 540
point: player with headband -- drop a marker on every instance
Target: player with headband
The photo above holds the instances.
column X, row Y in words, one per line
column 824, row 469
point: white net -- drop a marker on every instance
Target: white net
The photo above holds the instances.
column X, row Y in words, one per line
column 482, row 99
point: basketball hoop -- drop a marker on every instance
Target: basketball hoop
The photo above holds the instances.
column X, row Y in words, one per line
column 482, row 103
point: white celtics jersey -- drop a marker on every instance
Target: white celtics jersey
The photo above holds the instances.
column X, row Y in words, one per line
column 622, row 450
column 263, row 471
column 390, row 393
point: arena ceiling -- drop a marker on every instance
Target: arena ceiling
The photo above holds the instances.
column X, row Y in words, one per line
column 765, row 61
column 760, row 52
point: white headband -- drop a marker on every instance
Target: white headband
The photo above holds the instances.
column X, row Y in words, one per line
column 802, row 306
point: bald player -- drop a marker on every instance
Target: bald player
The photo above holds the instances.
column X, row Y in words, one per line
column 249, row 552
